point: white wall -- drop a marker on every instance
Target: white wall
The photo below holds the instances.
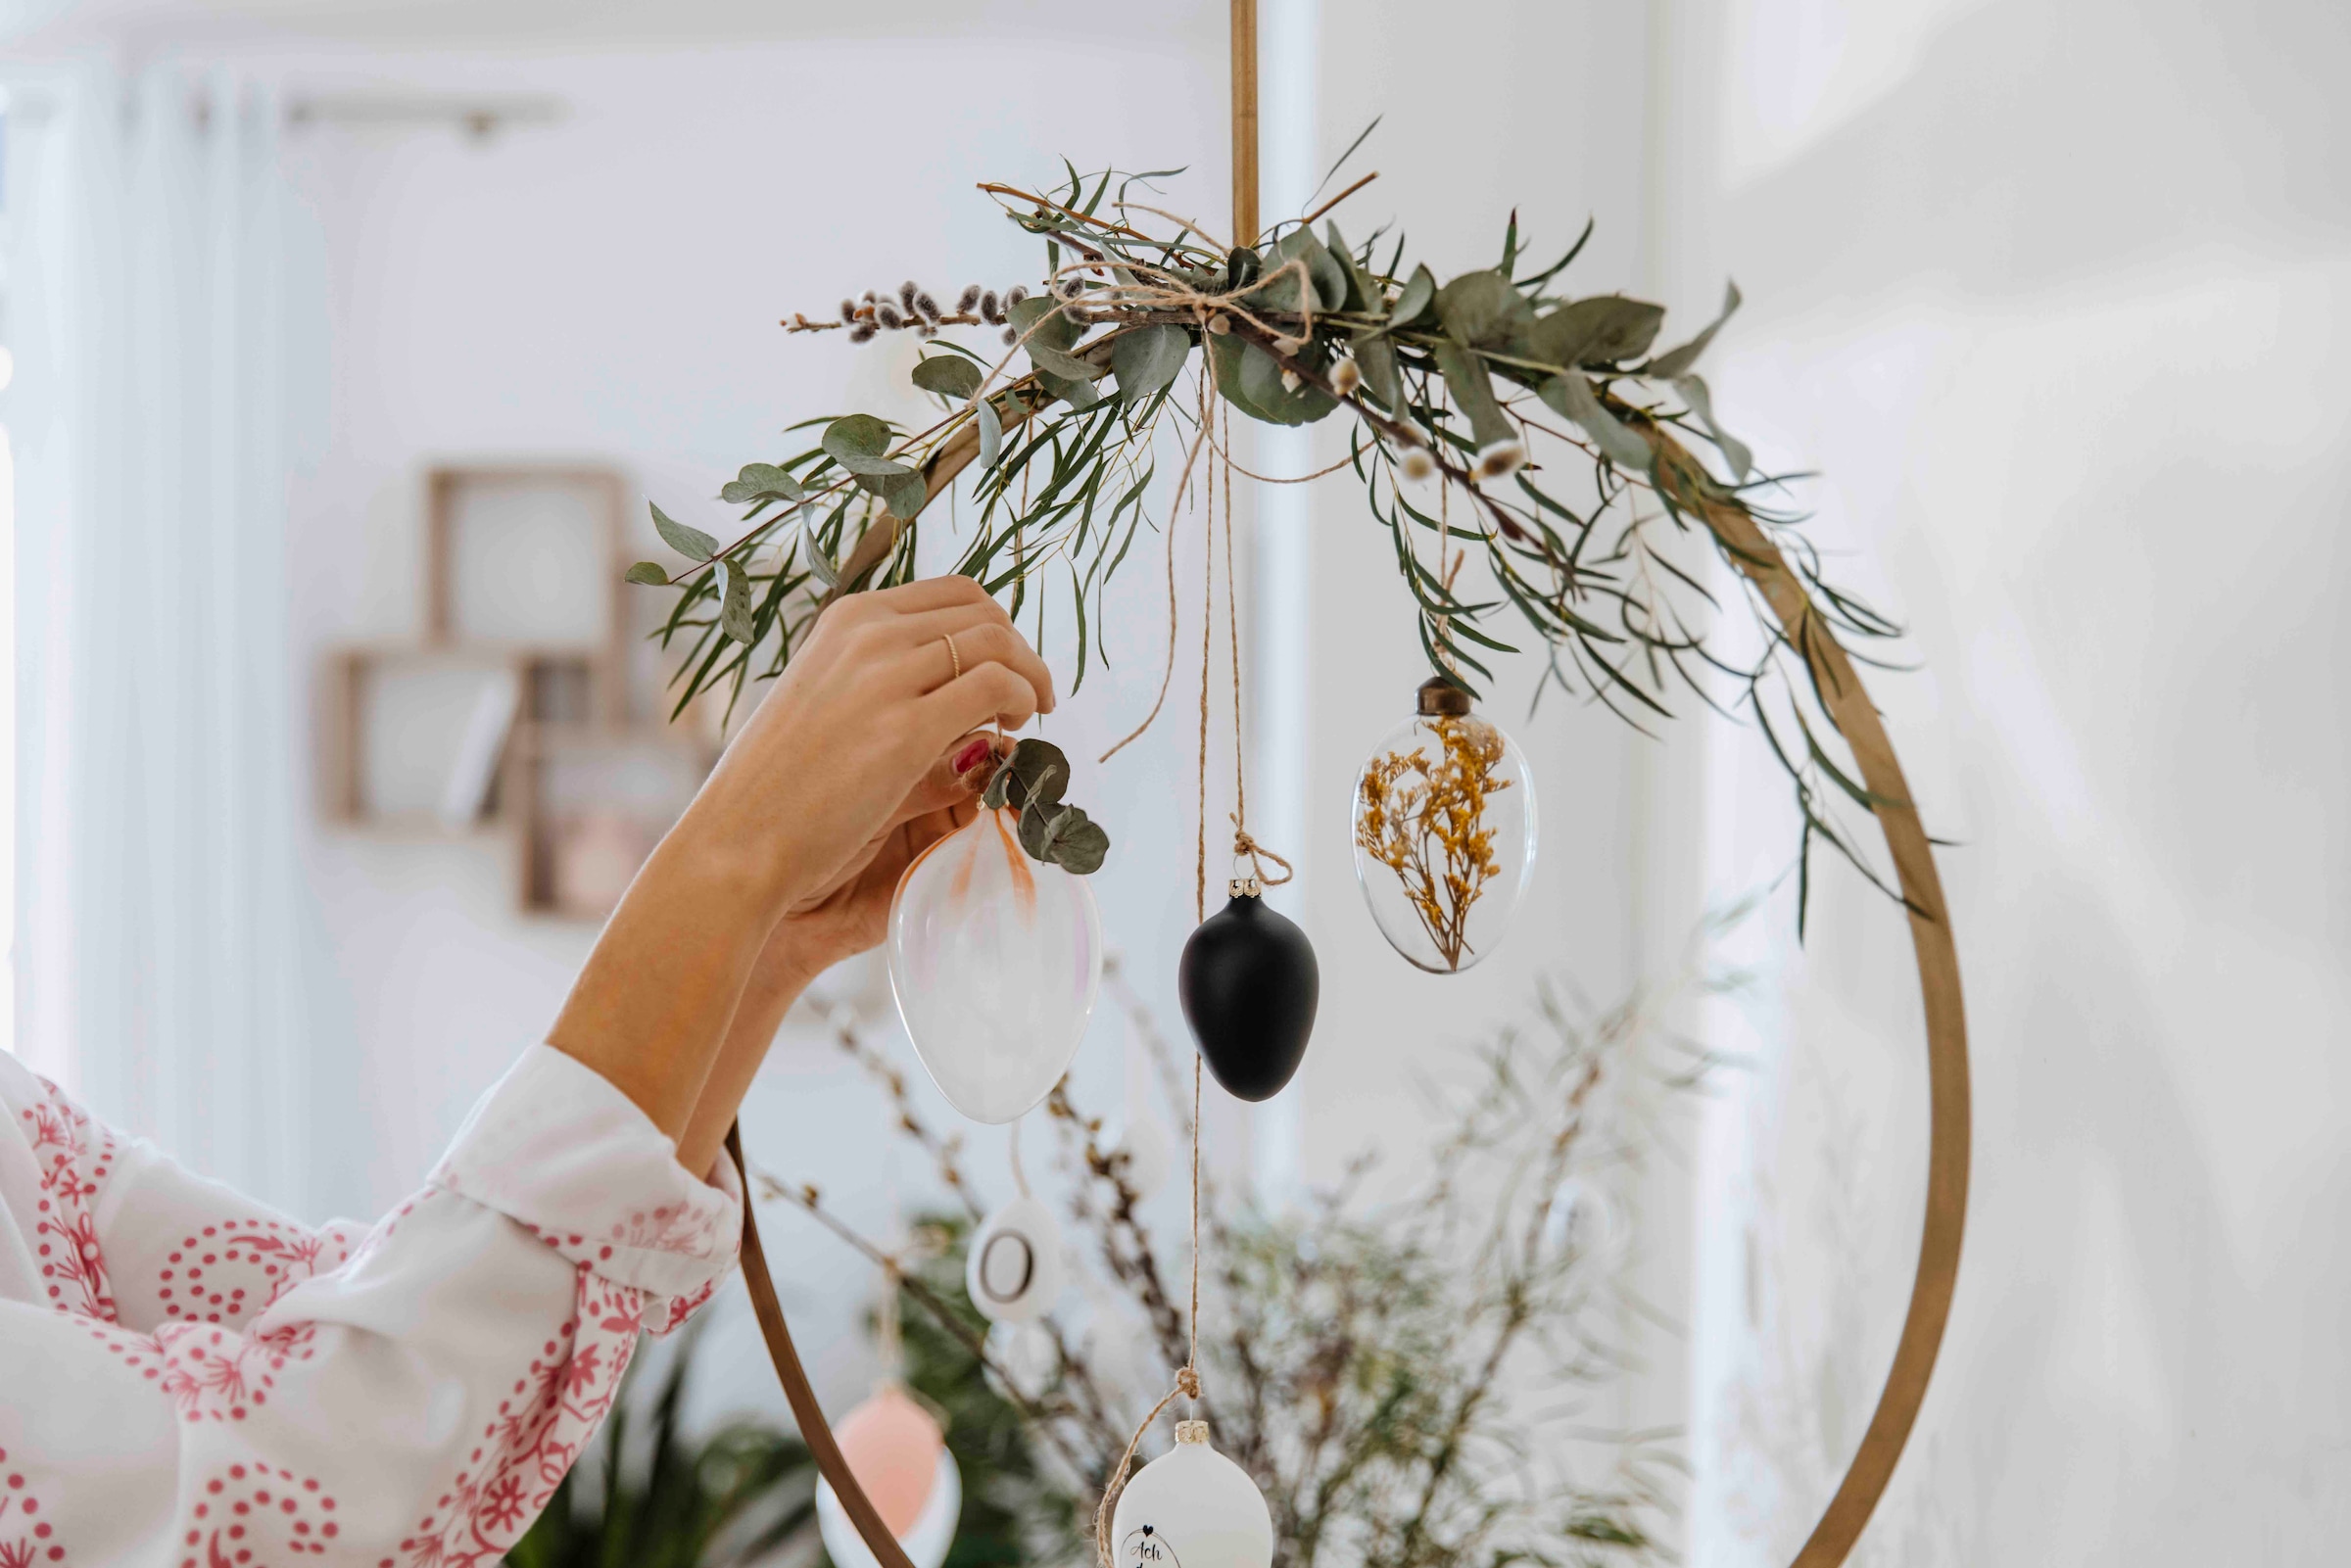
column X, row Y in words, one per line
column 2052, row 294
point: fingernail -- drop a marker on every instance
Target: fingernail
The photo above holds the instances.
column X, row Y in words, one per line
column 969, row 757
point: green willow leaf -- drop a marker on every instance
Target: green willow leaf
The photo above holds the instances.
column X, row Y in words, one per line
column 649, row 572
column 689, row 542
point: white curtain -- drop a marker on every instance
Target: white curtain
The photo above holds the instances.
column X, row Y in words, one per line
column 160, row 937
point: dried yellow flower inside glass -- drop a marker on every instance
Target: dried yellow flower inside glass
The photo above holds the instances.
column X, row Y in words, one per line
column 1444, row 833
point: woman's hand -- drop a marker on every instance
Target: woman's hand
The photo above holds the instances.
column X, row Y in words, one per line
column 864, row 710
column 798, row 812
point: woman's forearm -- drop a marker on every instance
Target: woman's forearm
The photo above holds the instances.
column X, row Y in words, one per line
column 769, row 995
column 654, row 1004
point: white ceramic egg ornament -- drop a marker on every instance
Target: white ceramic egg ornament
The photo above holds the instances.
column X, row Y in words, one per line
column 1191, row 1507
column 899, row 1456
column 1013, row 1270
column 994, row 959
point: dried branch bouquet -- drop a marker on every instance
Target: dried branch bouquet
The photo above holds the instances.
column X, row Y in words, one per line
column 1402, row 1379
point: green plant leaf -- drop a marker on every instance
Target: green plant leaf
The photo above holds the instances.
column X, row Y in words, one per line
column 907, row 497
column 1362, row 295
column 1418, row 296
column 825, row 569
column 949, row 375
column 1035, row 774
column 688, row 542
column 1701, row 403
column 649, row 572
column 1064, row 836
column 1571, row 396
column 1250, row 379
column 1482, row 309
column 1601, row 331
column 734, row 601
column 1079, row 395
column 1675, row 362
column 991, row 432
column 856, row 442
column 1472, row 390
column 1039, row 319
column 1054, row 362
column 1375, row 356
column 761, row 482
column 1148, row 358
column 1322, row 269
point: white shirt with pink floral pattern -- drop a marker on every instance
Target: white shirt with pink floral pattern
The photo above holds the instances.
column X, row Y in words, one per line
column 189, row 1381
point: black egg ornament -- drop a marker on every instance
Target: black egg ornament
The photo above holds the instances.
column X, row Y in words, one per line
column 1249, row 983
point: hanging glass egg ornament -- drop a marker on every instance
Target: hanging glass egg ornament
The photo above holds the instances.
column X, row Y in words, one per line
column 994, row 959
column 1013, row 1269
column 1191, row 1507
column 899, row 1456
column 1249, row 983
column 1444, row 831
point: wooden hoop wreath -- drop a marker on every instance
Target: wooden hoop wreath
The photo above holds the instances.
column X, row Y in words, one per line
column 1682, row 479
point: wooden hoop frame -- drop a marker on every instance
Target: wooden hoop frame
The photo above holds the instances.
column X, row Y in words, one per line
column 1683, row 479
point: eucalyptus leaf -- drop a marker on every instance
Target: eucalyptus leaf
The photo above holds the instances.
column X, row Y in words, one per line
column 1601, row 331
column 1250, row 379
column 1324, row 271
column 1482, row 309
column 1677, row 361
column 1035, row 774
column 825, row 569
column 1418, row 296
column 856, row 442
column 1572, row 396
column 649, row 572
column 991, row 432
column 1375, row 356
column 688, row 542
column 1054, row 362
column 1472, row 388
column 734, row 601
column 1701, row 403
column 1362, row 295
column 907, row 497
column 1064, row 836
column 1039, row 319
column 949, row 375
column 1079, row 395
column 761, row 482
column 1148, row 358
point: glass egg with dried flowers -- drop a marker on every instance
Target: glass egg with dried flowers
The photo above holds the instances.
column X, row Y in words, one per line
column 1444, row 831
column 995, row 947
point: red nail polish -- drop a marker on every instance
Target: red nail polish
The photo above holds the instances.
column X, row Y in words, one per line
column 969, row 757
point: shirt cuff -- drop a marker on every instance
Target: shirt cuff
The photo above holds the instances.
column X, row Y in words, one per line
column 554, row 1147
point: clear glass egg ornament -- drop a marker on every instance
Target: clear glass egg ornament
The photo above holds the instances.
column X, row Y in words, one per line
column 994, row 959
column 1444, row 833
